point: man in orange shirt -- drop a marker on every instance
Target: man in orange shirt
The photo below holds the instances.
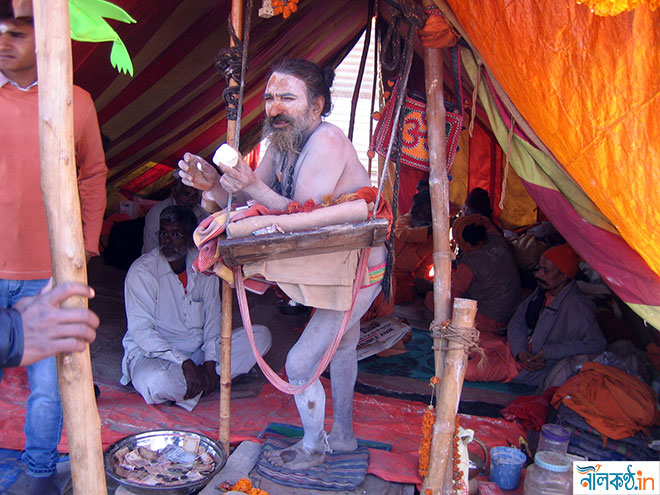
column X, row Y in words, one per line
column 25, row 263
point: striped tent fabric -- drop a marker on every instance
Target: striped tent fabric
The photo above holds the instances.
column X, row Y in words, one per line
column 174, row 102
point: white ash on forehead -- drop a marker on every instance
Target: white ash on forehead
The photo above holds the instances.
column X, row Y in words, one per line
column 172, row 465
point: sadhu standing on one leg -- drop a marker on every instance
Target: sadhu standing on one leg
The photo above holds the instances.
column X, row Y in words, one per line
column 307, row 159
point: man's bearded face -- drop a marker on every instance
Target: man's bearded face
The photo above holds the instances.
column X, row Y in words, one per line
column 173, row 240
column 290, row 117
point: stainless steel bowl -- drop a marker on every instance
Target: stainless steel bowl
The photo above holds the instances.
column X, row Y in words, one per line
column 157, row 440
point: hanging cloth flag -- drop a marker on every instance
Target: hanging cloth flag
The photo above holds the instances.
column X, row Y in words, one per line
column 414, row 146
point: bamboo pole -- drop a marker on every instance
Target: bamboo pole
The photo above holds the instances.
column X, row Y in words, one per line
column 439, row 465
column 438, row 182
column 60, row 192
column 454, row 366
column 224, row 432
column 439, row 188
column 225, row 367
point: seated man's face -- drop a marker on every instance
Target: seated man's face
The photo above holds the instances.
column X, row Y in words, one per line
column 548, row 276
column 187, row 196
column 173, row 240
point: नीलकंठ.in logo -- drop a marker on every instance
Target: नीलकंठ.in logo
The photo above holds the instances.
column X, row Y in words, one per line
column 616, row 477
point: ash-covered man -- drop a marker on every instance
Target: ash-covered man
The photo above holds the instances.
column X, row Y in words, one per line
column 172, row 344
column 307, row 159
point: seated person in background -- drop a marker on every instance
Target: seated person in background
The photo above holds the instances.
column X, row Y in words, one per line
column 556, row 321
column 413, row 246
column 182, row 195
column 486, row 272
column 172, row 343
column 478, row 203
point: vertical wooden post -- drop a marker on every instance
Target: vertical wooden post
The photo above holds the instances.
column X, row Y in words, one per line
column 455, row 364
column 224, row 432
column 438, row 182
column 60, row 192
column 439, row 468
column 227, row 294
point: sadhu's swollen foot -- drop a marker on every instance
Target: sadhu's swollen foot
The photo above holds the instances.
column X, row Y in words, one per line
column 341, row 443
column 296, row 457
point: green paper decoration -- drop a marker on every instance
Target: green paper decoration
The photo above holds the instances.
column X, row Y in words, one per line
column 88, row 24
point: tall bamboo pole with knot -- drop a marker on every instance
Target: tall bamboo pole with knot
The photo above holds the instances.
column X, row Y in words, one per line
column 227, row 292
column 450, row 341
column 60, row 192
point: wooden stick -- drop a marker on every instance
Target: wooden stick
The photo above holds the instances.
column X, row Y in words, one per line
column 225, row 370
column 224, row 432
column 439, row 188
column 439, row 469
column 455, row 364
column 60, row 193
column 360, row 74
column 374, row 86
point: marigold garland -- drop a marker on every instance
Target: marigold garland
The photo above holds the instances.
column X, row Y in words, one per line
column 456, row 458
column 427, row 431
column 425, row 445
column 245, row 485
column 284, row 7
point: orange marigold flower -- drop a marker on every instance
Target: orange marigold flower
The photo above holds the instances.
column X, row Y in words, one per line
column 257, row 491
column 425, row 445
column 435, row 380
column 293, row 6
column 428, row 491
column 242, row 485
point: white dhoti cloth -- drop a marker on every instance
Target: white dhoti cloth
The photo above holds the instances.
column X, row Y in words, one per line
column 158, row 380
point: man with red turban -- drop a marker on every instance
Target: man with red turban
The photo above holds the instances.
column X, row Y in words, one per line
column 556, row 321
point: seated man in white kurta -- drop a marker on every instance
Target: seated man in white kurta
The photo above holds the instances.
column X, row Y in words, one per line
column 172, row 344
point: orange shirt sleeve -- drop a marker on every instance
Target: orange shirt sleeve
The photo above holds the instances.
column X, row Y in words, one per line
column 92, row 171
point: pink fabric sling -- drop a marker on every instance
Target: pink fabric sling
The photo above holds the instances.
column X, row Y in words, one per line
column 273, row 377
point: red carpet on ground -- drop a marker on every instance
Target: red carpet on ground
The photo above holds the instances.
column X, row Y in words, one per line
column 124, row 412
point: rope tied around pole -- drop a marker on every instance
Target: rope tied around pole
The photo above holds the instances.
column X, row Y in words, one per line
column 228, row 62
column 458, row 338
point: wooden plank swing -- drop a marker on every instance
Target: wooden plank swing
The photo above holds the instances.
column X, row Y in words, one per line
column 342, row 237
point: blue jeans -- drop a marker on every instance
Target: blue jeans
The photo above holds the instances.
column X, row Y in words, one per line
column 43, row 419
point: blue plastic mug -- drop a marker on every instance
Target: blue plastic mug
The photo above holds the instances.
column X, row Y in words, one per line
column 506, row 465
